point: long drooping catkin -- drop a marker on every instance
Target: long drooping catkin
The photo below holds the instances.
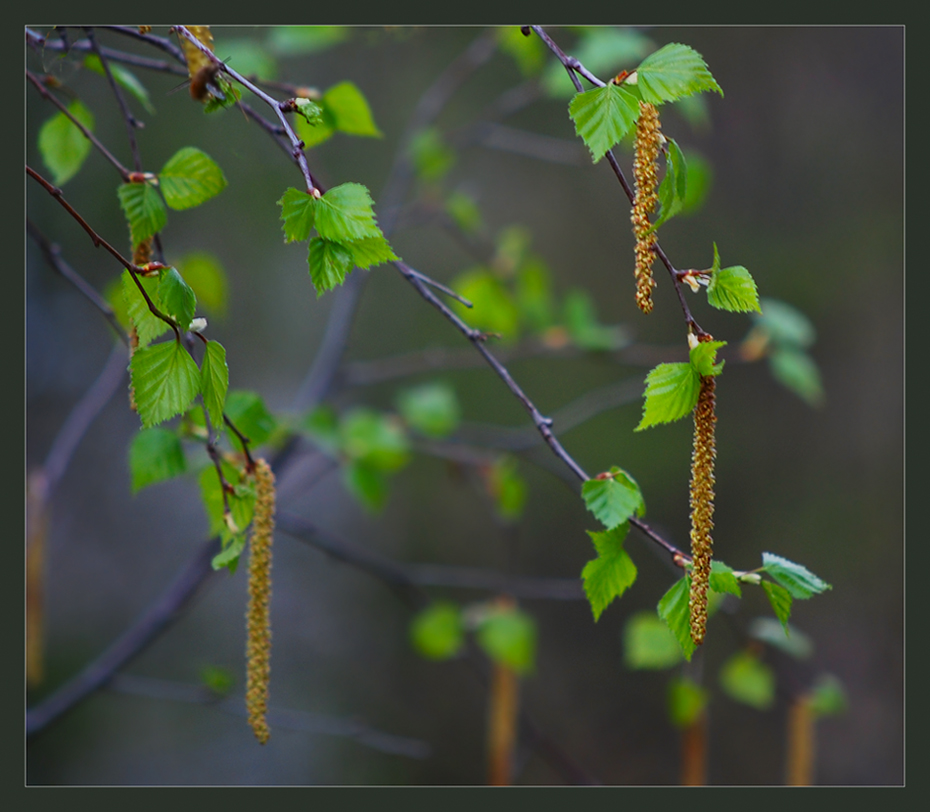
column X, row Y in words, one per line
column 646, row 179
column 702, row 506
column 258, row 644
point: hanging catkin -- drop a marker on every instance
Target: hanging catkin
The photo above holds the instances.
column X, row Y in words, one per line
column 646, row 181
column 258, row 617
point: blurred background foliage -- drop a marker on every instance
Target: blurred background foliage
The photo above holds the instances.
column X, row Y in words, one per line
column 802, row 165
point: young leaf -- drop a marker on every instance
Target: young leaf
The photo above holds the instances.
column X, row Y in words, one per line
column 613, row 499
column 377, row 439
column 798, row 580
column 672, row 72
column 674, row 186
column 671, row 392
column 507, row 488
column 785, row 638
column 493, row 310
column 214, row 378
column 329, row 264
column 345, row 214
column 190, row 178
column 432, row 409
column 165, row 380
column 722, row 579
column 648, row 643
column 230, row 554
column 781, row 600
column 350, row 110
column 144, row 210
column 438, row 632
column 176, row 297
column 62, row 145
column 610, row 574
column 583, row 325
column 603, row 116
column 533, row 294
column 319, row 128
column 828, row 697
column 430, row 154
column 528, row 52
column 299, row 40
column 297, row 214
column 797, row 371
column 367, row 483
column 148, row 326
column 732, row 288
column 703, row 358
column 154, row 456
column 785, row 324
column 241, row 501
column 204, row 273
column 371, row 251
column 124, row 78
column 673, row 609
column 508, row 636
column 247, row 412
column 748, row 680
column 686, row 701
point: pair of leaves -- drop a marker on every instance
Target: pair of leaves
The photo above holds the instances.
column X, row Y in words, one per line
column 604, row 115
column 166, row 379
column 613, row 498
column 348, row 234
column 188, row 179
column 672, row 390
column 342, row 108
column 790, row 581
column 505, row 633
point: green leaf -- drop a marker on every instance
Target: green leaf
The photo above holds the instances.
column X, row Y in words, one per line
column 241, row 506
column 190, row 178
column 205, row 274
column 785, row 324
column 317, row 130
column 176, row 298
column 533, row 293
column 124, row 78
column 723, row 580
column 703, row 358
column 148, row 326
column 322, row 424
column 700, row 179
column 789, row 640
column 377, row 439
column 828, row 697
column 144, row 210
column 671, row 393
column 329, row 263
column 367, row 483
column 371, row 251
column 748, row 680
column 610, row 574
column 345, row 214
column 672, row 72
column 432, row 157
column 732, row 288
column 464, row 212
column 507, row 488
column 214, row 376
column 154, row 456
column 249, row 58
column 673, row 609
column 297, row 210
column 350, row 110
column 673, row 189
column 494, row 310
column 781, row 601
column 508, row 636
column 583, row 325
column 247, row 412
column 798, row 580
column 603, row 116
column 614, row 498
column 797, row 371
column 432, row 409
column 438, row 632
column 648, row 643
column 165, row 380
column 528, row 52
column 686, row 701
column 62, row 145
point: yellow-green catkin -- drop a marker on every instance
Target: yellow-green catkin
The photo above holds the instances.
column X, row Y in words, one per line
column 702, row 506
column 258, row 616
column 645, row 200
